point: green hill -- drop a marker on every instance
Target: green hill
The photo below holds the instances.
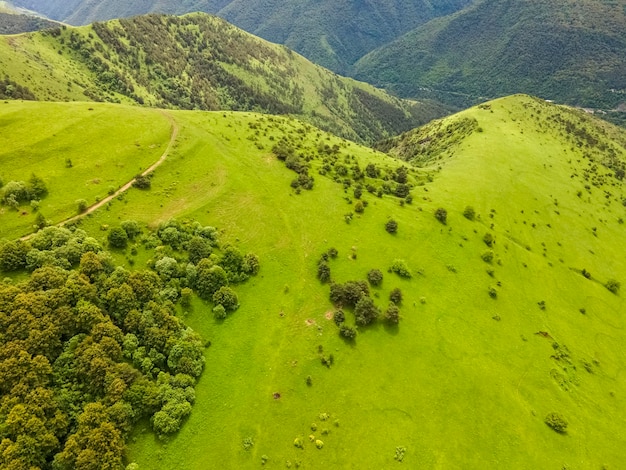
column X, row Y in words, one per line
column 198, row 62
column 571, row 52
column 331, row 33
column 511, row 318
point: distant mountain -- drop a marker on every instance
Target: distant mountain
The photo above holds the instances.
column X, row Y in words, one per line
column 334, row 33
column 197, row 62
column 572, row 52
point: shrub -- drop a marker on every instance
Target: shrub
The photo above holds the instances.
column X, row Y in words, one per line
column 198, row 248
column 117, row 238
column 441, row 215
column 391, row 226
column 400, row 267
column 227, row 298
column 613, row 286
column 469, row 213
column 488, row 239
column 375, row 277
column 487, row 256
column 250, row 264
column 37, row 188
column 332, row 252
column 557, row 422
column 142, row 182
column 185, row 297
column 219, row 312
column 359, row 207
column 493, row 293
column 396, row 296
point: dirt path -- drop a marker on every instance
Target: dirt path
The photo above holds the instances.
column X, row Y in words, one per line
column 98, row 205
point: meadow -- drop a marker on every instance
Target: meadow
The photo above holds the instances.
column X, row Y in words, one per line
column 484, row 350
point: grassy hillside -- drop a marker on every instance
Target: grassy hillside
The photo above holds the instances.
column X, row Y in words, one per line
column 571, row 52
column 199, row 62
column 331, row 33
column 506, row 318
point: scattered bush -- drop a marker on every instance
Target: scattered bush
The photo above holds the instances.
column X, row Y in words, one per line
column 557, row 422
column 375, row 277
column 400, row 267
column 441, row 215
column 391, row 226
column 493, row 293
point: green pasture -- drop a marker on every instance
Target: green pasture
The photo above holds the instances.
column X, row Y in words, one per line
column 465, row 380
column 106, row 145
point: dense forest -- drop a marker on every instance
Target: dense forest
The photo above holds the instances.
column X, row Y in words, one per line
column 89, row 348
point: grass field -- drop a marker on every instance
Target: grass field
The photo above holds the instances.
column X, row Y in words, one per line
column 106, row 147
column 465, row 380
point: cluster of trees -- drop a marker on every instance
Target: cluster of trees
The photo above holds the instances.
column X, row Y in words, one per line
column 87, row 350
column 14, row 193
column 355, row 295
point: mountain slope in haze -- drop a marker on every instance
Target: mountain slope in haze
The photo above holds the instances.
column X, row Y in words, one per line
column 200, row 62
column 505, row 322
column 571, row 52
column 331, row 33
column 15, row 23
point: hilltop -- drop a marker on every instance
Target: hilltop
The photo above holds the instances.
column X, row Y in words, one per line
column 198, row 62
column 508, row 347
column 331, row 33
column 570, row 52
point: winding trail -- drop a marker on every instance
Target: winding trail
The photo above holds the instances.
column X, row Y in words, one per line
column 150, row 169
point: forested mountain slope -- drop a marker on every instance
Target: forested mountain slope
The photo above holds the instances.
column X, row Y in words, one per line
column 571, row 52
column 197, row 62
column 331, row 33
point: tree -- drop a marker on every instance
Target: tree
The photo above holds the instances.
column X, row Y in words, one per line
column 81, row 205
column 347, row 332
column 441, row 215
column 365, row 311
column 209, row 279
column 392, row 314
column 13, row 256
column 323, row 271
column 396, row 296
column 375, row 277
column 198, row 248
column 227, row 298
column 391, row 226
column 117, row 238
column 132, row 229
column 400, row 267
column 37, row 188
